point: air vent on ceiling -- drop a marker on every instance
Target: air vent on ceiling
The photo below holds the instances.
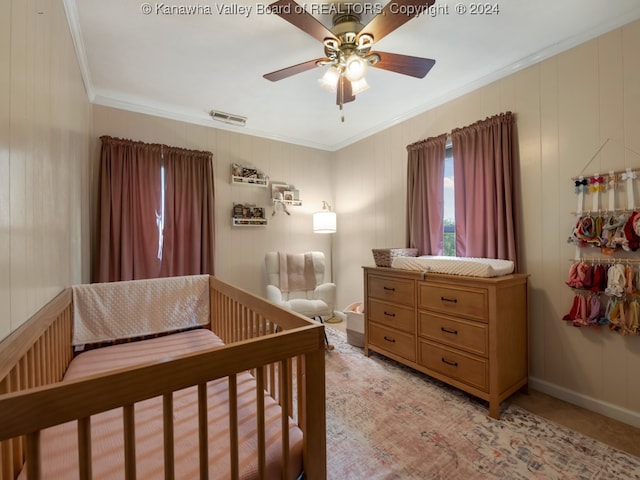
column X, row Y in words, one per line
column 228, row 118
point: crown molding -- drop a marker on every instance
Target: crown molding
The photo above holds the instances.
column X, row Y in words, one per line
column 78, row 43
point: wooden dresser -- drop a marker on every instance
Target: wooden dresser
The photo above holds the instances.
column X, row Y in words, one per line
column 469, row 332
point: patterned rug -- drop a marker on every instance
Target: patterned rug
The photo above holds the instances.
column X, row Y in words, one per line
column 387, row 421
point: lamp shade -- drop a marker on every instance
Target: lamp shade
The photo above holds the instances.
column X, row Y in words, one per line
column 324, row 222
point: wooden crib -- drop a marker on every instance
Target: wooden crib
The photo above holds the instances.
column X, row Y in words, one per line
column 282, row 350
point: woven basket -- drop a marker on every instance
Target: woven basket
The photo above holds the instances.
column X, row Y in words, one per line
column 384, row 256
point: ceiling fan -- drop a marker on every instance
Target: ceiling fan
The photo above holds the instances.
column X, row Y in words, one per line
column 347, row 46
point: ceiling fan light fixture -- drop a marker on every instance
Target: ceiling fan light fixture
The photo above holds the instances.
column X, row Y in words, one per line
column 355, row 68
column 329, row 80
column 359, row 86
column 372, row 59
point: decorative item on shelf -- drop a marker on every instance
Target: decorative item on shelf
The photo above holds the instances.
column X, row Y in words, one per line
column 241, row 175
column 284, row 195
column 325, row 222
column 248, row 215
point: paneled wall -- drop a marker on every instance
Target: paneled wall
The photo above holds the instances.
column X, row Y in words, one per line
column 44, row 148
column 567, row 107
column 239, row 250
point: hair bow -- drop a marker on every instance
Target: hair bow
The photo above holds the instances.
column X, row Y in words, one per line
column 628, row 175
column 596, row 184
column 613, row 181
column 581, row 184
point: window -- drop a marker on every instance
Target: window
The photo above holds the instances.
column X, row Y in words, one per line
column 449, row 222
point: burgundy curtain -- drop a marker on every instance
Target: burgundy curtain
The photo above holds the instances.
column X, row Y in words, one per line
column 425, row 195
column 485, row 157
column 156, row 211
column 189, row 224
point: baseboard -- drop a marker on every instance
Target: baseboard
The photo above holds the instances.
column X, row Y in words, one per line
column 604, row 408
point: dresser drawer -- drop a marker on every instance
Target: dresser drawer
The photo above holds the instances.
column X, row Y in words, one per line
column 391, row 315
column 394, row 341
column 464, row 334
column 396, row 290
column 455, row 364
column 452, row 300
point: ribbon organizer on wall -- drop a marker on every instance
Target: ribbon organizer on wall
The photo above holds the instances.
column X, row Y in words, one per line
column 605, row 273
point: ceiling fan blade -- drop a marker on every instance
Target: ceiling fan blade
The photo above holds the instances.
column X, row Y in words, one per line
column 407, row 65
column 344, row 92
column 294, row 69
column 299, row 17
column 394, row 15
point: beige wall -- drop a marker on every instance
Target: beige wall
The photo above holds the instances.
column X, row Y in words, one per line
column 240, row 251
column 567, row 107
column 44, row 138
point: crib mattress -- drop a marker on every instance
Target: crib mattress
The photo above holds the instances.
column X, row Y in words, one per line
column 472, row 267
column 59, row 444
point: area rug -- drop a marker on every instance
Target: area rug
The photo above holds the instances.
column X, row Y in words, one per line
column 387, row 421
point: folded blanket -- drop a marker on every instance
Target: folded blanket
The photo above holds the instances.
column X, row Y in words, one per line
column 134, row 308
column 296, row 272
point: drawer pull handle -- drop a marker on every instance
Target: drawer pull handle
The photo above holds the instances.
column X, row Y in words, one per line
column 446, row 330
column 449, row 362
column 390, row 289
column 452, row 300
column 388, row 314
column 392, row 340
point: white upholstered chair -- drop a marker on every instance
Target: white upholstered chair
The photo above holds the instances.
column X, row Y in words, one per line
column 317, row 302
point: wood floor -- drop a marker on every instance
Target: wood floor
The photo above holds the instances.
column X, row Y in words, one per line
column 607, row 430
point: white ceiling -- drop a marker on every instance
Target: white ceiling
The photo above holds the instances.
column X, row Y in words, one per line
column 183, row 66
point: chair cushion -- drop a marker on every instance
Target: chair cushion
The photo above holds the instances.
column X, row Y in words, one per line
column 310, row 308
column 311, row 303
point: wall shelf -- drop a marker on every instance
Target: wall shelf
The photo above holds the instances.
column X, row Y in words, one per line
column 250, row 181
column 248, row 176
column 293, row 203
column 249, row 222
column 283, row 195
column 248, row 215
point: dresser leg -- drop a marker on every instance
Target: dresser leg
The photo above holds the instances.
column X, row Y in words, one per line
column 494, row 409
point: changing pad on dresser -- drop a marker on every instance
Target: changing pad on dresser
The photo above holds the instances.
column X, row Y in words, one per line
column 472, row 267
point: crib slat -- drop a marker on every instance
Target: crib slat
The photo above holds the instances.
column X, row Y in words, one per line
column 6, row 467
column 271, row 369
column 84, row 448
column 301, row 391
column 33, row 456
column 285, row 378
column 14, row 384
column 203, row 431
column 128, row 417
column 289, row 378
column 167, row 419
column 233, row 427
column 260, row 420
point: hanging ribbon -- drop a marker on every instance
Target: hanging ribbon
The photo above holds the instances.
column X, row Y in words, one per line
column 612, row 185
column 581, row 185
column 595, row 187
column 629, row 176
